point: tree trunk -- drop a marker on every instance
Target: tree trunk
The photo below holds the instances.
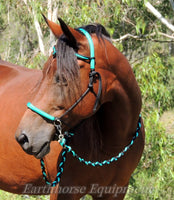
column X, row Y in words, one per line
column 172, row 4
column 39, row 33
column 52, row 15
column 37, row 26
column 159, row 16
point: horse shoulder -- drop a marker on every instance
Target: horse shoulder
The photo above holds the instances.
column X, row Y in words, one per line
column 9, row 72
column 7, row 68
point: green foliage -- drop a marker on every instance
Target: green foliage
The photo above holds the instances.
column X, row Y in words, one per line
column 155, row 167
column 9, row 196
column 119, row 17
column 153, row 76
column 36, row 62
column 152, row 60
column 2, row 22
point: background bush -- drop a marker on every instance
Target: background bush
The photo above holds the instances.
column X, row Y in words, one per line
column 149, row 48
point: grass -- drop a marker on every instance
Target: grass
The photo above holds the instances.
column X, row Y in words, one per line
column 10, row 196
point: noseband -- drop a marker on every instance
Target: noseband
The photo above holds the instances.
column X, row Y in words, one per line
column 57, row 121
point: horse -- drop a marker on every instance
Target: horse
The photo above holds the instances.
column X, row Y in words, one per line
column 89, row 100
column 17, row 85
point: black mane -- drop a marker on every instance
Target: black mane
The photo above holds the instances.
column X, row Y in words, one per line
column 98, row 29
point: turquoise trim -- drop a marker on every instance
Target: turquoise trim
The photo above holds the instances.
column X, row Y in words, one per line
column 62, row 142
column 82, row 57
column 92, row 52
column 40, row 112
column 92, row 66
column 91, row 45
column 54, row 51
column 78, row 55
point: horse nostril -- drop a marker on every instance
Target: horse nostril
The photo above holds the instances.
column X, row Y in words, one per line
column 22, row 139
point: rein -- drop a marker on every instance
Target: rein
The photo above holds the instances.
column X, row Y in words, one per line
column 57, row 121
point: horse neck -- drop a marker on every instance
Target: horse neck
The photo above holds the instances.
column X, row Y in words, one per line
column 105, row 132
column 121, row 97
column 112, row 127
column 87, row 138
column 115, row 126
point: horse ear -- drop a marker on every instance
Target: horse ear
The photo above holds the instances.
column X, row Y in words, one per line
column 71, row 34
column 55, row 28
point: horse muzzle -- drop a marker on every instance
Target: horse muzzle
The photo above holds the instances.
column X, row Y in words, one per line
column 38, row 148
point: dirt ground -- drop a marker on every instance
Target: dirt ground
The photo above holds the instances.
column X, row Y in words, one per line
column 167, row 121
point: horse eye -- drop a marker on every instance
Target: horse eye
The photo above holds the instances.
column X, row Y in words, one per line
column 61, row 80
column 57, row 79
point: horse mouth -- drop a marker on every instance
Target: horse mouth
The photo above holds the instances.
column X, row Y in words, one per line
column 45, row 149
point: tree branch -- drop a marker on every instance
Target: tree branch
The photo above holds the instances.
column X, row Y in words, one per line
column 172, row 4
column 144, row 37
column 124, row 37
column 159, row 16
column 37, row 27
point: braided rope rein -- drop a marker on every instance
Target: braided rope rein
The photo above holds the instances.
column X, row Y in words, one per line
column 67, row 148
column 61, row 166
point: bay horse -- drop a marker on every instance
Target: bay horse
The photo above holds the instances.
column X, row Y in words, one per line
column 95, row 97
column 17, row 169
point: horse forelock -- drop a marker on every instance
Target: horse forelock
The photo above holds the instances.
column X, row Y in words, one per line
column 68, row 69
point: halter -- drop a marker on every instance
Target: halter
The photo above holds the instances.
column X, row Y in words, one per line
column 93, row 75
column 57, row 121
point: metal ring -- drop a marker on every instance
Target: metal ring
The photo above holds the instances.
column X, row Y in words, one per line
column 57, row 122
column 61, row 136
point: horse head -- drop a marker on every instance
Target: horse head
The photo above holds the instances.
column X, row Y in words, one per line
column 72, row 89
